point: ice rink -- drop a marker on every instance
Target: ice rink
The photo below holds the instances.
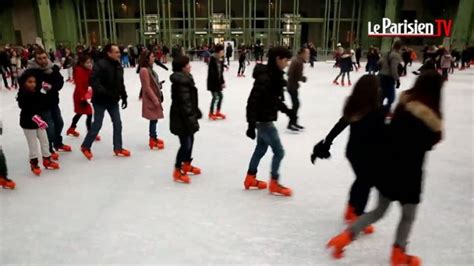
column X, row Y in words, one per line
column 129, row 211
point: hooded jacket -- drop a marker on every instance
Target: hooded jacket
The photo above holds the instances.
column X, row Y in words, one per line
column 266, row 97
column 215, row 75
column 184, row 111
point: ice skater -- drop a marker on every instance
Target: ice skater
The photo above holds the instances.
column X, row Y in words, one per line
column 82, row 95
column 263, row 104
column 389, row 75
column 242, row 59
column 216, row 82
column 108, row 89
column 295, row 75
column 184, row 116
column 5, row 182
column 152, row 98
column 364, row 115
column 415, row 128
column 345, row 64
column 31, row 101
column 50, row 82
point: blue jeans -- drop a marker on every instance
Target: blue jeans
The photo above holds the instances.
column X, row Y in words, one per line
column 267, row 135
column 114, row 112
column 216, row 100
column 55, row 123
column 152, row 128
column 185, row 150
column 387, row 84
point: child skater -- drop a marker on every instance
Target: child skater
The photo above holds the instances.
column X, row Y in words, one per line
column 5, row 182
column 345, row 64
column 30, row 101
column 184, row 116
column 364, row 114
column 82, row 95
column 152, row 97
column 263, row 104
column 242, row 59
column 415, row 128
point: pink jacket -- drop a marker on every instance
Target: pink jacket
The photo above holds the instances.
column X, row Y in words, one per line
column 151, row 104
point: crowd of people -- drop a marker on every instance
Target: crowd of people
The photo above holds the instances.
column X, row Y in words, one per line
column 414, row 127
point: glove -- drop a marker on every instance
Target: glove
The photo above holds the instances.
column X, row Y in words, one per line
column 124, row 103
column 39, row 121
column 46, row 86
column 303, row 79
column 251, row 132
column 398, row 84
column 199, row 114
column 320, row 150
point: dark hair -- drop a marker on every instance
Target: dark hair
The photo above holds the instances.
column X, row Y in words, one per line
column 218, row 48
column 39, row 51
column 108, row 47
column 277, row 52
column 365, row 98
column 83, row 58
column 28, row 73
column 180, row 62
column 427, row 90
column 144, row 58
column 302, row 50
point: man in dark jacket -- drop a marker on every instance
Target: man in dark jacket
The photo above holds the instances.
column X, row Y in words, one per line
column 228, row 53
column 108, row 89
column 295, row 75
column 49, row 81
column 264, row 102
column 215, row 82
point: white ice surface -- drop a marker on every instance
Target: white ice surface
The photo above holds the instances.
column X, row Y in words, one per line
column 129, row 211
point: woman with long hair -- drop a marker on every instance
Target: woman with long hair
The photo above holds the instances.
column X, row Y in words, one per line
column 415, row 128
column 152, row 97
column 363, row 113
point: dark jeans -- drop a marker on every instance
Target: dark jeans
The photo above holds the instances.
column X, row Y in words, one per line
column 241, row 68
column 185, row 150
column 387, row 84
column 216, row 99
column 76, row 118
column 404, row 72
column 445, row 73
column 343, row 74
column 55, row 123
column 228, row 61
column 295, row 101
column 312, row 59
column 360, row 190
column 267, row 135
column 4, row 77
column 3, row 165
column 152, row 128
column 99, row 111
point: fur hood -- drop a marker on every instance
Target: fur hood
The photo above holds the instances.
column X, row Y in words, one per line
column 422, row 112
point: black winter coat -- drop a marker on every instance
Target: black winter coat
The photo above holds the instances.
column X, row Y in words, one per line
column 414, row 130
column 55, row 79
column 31, row 103
column 184, row 112
column 215, row 74
column 107, row 82
column 366, row 145
column 266, row 97
column 345, row 63
column 229, row 51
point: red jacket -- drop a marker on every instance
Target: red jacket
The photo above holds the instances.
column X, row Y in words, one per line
column 81, row 79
